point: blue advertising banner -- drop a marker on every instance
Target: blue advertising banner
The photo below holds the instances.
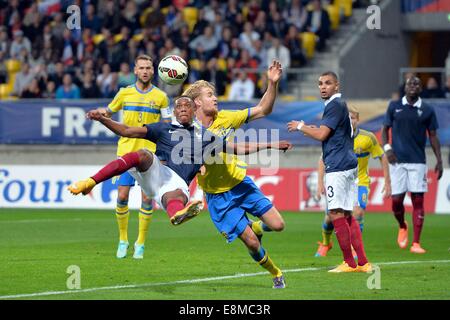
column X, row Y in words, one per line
column 64, row 122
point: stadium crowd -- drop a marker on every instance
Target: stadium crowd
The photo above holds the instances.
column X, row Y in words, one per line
column 94, row 61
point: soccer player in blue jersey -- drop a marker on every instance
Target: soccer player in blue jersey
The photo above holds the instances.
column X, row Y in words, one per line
column 336, row 134
column 142, row 103
column 411, row 120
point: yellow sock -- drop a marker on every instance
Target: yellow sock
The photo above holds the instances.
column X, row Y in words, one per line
column 144, row 223
column 326, row 236
column 122, row 215
column 268, row 264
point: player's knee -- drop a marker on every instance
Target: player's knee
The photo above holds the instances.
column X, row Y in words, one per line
column 278, row 225
column 122, row 197
column 145, row 159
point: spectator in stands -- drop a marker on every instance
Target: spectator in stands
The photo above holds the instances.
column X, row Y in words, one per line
column 4, row 40
column 224, row 46
column 126, row 77
column 58, row 25
column 217, row 77
column 68, row 56
column 447, row 88
column 242, row 88
column 260, row 54
column 91, row 20
column 293, row 42
column 170, row 47
column 200, row 25
column 89, row 89
column 104, row 79
column 248, row 37
column 318, row 22
column 232, row 10
column 280, row 53
column 68, row 90
column 235, row 49
column 183, row 38
column 32, row 91
column 112, row 87
column 110, row 18
column 432, row 90
column 260, row 24
column 204, row 46
column 130, row 17
column 277, row 25
column 261, row 85
column 218, row 25
column 3, row 71
column 247, row 62
column 210, row 11
column 58, row 74
column 23, row 79
column 50, row 91
column 32, row 22
column 253, row 10
column 19, row 42
column 295, row 14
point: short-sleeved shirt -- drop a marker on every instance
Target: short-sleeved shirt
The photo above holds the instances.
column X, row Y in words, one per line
column 139, row 108
column 337, row 149
column 409, row 129
column 227, row 171
column 183, row 148
column 365, row 146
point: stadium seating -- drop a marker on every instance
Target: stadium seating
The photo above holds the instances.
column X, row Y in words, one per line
column 12, row 66
column 334, row 13
column 190, row 15
column 221, row 64
column 346, row 6
column 194, row 64
column 309, row 43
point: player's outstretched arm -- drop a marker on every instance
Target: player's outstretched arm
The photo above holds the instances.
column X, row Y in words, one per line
column 318, row 133
column 252, row 147
column 436, row 146
column 387, row 190
column 117, row 127
column 265, row 105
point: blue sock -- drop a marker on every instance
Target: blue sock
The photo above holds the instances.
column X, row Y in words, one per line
column 257, row 256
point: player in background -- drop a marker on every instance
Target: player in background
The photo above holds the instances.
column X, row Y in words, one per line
column 365, row 146
column 142, row 103
column 229, row 192
column 336, row 134
column 411, row 120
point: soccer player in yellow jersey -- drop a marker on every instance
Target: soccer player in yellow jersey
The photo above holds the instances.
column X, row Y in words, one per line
column 142, row 103
column 365, row 146
column 229, row 192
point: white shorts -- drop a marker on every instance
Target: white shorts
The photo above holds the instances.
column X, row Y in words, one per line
column 341, row 189
column 158, row 180
column 410, row 177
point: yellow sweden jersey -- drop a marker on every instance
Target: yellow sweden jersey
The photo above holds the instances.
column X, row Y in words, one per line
column 365, row 145
column 223, row 176
column 139, row 108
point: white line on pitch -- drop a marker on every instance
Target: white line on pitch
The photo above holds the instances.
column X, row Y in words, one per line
column 155, row 284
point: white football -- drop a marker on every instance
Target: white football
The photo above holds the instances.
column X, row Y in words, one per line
column 173, row 70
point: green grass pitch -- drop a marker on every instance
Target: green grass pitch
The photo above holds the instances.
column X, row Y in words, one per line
column 193, row 261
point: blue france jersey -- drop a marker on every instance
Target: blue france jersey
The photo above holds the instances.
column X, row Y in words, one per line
column 184, row 149
column 337, row 149
column 409, row 129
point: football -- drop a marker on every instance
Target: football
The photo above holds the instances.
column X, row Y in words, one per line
column 173, row 70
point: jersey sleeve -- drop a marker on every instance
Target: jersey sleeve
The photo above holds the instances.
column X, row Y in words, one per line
column 117, row 103
column 153, row 131
column 375, row 151
column 236, row 118
column 389, row 116
column 164, row 108
column 332, row 116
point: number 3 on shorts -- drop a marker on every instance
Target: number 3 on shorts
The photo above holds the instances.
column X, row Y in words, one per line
column 330, row 192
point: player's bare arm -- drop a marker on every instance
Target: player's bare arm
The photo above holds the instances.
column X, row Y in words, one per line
column 321, row 174
column 265, row 105
column 387, row 191
column 318, row 133
column 117, row 127
column 386, row 146
column 252, row 147
column 436, row 146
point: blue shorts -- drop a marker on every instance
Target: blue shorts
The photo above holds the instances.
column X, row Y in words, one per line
column 228, row 209
column 125, row 179
column 363, row 196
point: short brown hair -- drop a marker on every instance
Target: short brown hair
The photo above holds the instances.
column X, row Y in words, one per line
column 353, row 109
column 143, row 57
column 194, row 89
